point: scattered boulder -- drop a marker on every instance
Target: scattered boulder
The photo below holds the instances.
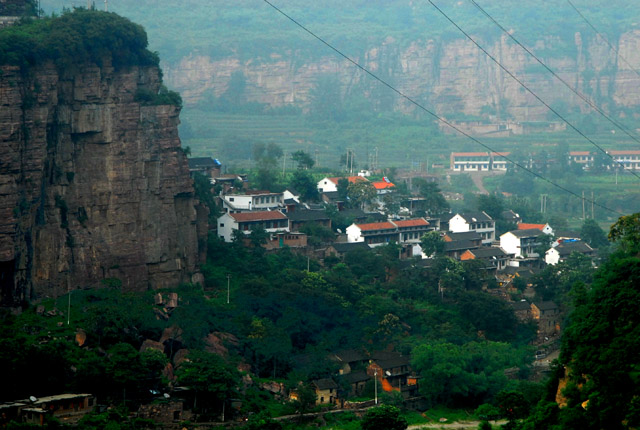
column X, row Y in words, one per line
column 151, row 344
column 81, row 337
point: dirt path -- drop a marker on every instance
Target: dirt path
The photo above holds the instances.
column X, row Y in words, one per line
column 454, row 426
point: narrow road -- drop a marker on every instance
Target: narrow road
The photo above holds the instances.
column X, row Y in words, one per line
column 453, row 426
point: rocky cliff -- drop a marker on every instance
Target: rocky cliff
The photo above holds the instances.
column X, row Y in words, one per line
column 452, row 76
column 93, row 184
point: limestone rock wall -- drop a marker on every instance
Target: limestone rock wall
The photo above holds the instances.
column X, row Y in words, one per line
column 93, row 185
column 452, row 76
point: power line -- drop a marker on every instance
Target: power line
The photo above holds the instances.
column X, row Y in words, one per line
column 433, row 114
column 523, row 85
column 603, row 38
column 576, row 92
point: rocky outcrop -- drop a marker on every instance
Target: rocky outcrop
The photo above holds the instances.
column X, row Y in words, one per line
column 452, row 76
column 93, row 184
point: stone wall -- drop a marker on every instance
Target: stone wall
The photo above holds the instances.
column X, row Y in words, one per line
column 93, row 185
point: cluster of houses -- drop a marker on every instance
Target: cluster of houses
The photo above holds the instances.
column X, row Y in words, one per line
column 516, row 254
column 495, row 161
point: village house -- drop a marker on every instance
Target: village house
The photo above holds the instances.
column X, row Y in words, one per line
column 68, row 408
column 478, row 161
column 393, row 372
column 207, row 166
column 479, row 222
column 521, row 243
column 560, row 252
column 547, row 315
column 470, row 236
column 286, row 239
column 252, row 201
column 326, row 391
column 300, row 218
column 511, row 216
column 383, row 187
column 245, row 222
column 331, row 184
column 544, row 228
column 380, row 233
column 455, row 248
column 339, row 249
column 522, row 310
column 494, row 258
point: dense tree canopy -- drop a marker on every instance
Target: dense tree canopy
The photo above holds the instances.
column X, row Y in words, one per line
column 76, row 37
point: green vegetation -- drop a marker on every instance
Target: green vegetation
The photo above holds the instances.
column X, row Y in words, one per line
column 76, row 37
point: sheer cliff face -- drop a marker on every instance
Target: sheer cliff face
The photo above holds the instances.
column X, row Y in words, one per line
column 451, row 76
column 93, row 185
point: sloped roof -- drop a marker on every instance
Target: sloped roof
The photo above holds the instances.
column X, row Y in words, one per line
column 352, row 179
column 566, row 248
column 325, row 384
column 376, row 226
column 488, row 252
column 532, row 232
column 474, row 217
column 417, row 222
column 351, row 355
column 465, row 235
column 546, row 306
column 198, row 162
column 520, row 306
column 354, row 377
column 257, row 216
column 307, row 215
column 529, row 226
column 628, row 152
column 343, row 247
column 470, row 154
column 382, row 185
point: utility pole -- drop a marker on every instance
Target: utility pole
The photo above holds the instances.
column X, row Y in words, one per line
column 228, row 287
column 106, row 5
column 582, row 204
column 284, row 162
column 592, row 205
column 375, row 375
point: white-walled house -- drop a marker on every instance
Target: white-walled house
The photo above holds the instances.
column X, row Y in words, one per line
column 328, row 185
column 521, row 243
column 560, row 252
column 380, row 233
column 545, row 228
column 479, row 222
column 271, row 221
column 252, row 201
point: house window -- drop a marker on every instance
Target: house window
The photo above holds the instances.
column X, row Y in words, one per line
column 231, row 199
column 221, row 224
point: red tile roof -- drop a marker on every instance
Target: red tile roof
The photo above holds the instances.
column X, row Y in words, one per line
column 525, row 226
column 352, row 179
column 257, row 216
column 382, row 185
column 579, row 153
column 470, row 154
column 624, row 152
column 377, row 226
column 418, row 222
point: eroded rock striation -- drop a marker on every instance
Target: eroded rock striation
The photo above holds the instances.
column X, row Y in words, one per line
column 93, row 184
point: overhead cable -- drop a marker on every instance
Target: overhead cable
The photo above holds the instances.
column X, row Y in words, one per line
column 433, row 114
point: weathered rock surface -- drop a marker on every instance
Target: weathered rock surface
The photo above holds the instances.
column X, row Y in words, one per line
column 93, row 185
column 451, row 76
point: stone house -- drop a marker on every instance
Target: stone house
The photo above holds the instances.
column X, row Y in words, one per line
column 326, row 391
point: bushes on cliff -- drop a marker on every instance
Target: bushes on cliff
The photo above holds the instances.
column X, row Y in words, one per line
column 75, row 37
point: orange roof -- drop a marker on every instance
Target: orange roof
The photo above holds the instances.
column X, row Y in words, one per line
column 501, row 153
column 257, row 216
column 525, row 226
column 624, row 152
column 352, row 179
column 382, row 185
column 579, row 153
column 412, row 222
column 377, row 226
column 469, row 154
